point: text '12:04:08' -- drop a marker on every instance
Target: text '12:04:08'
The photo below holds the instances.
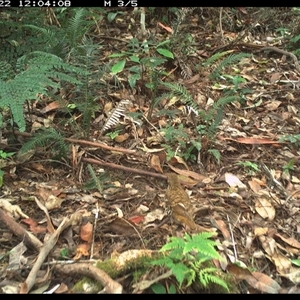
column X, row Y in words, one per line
column 46, row 3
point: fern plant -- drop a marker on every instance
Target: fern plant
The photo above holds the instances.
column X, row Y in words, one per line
column 229, row 60
column 188, row 258
column 176, row 89
column 44, row 138
column 64, row 41
column 36, row 73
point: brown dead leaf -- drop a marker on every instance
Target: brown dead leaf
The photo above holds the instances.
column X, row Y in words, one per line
column 136, row 219
column 167, row 28
column 293, row 275
column 44, row 193
column 268, row 244
column 265, row 284
column 254, row 186
column 221, row 225
column 194, row 175
column 122, row 226
column 52, row 106
column 107, row 107
column 39, row 168
column 275, row 76
column 156, row 214
column 86, row 232
column 290, row 241
column 82, row 250
column 239, row 272
column 34, row 226
column 121, row 138
column 260, row 182
column 264, row 208
column 177, row 159
column 155, row 163
column 283, row 264
column 273, row 105
column 243, row 10
column 53, row 202
column 257, row 280
column 258, row 231
column 50, row 227
column 62, row 289
column 192, row 79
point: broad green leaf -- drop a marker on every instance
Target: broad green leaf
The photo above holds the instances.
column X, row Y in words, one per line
column 134, row 58
column 172, row 289
column 165, row 52
column 158, row 288
column 118, row 67
column 112, row 15
column 1, row 178
column 132, row 80
column 296, row 262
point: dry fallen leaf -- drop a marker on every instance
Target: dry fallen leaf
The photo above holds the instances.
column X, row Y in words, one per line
column 268, row 244
column 254, row 186
column 265, row 283
column 121, row 138
column 82, row 250
column 290, row 241
column 187, row 173
column 282, row 263
column 86, row 232
column 257, row 280
column 53, row 202
column 233, row 181
column 293, row 275
column 155, row 163
column 122, row 226
column 264, row 208
column 221, row 225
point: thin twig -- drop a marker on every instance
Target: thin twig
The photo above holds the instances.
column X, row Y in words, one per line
column 220, row 24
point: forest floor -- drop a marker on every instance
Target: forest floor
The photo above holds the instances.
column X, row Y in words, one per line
column 244, row 182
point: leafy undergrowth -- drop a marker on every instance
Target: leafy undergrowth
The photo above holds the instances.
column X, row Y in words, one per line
column 85, row 182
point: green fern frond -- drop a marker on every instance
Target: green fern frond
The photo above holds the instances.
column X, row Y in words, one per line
column 49, row 34
column 6, row 71
column 225, row 100
column 77, row 28
column 173, row 243
column 207, row 275
column 201, row 243
column 95, row 179
column 215, row 57
column 188, row 258
column 181, row 272
column 37, row 72
column 44, row 138
column 180, row 91
column 231, row 59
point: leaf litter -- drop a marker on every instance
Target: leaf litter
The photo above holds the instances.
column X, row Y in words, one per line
column 256, row 213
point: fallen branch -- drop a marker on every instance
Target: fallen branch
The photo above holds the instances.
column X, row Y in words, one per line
column 103, row 163
column 29, row 239
column 45, row 250
column 123, row 168
column 110, row 286
column 82, row 142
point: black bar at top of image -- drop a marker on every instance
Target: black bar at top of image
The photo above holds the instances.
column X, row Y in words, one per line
column 77, row 3
column 70, row 3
